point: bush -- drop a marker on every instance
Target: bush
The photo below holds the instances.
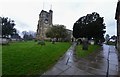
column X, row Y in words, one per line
column 41, row 43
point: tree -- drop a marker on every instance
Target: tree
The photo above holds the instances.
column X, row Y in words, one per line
column 28, row 35
column 107, row 38
column 114, row 37
column 7, row 27
column 24, row 32
column 58, row 31
column 16, row 36
column 90, row 26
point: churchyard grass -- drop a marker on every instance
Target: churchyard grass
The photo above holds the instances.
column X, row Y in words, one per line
column 28, row 58
column 84, row 53
column 0, row 60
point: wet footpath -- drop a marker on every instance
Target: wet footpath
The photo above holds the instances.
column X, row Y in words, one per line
column 103, row 63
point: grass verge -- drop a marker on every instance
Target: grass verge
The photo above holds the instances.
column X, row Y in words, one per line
column 85, row 53
column 28, row 58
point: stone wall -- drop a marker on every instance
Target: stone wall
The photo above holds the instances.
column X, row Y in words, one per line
column 4, row 41
column 118, row 32
column 117, row 17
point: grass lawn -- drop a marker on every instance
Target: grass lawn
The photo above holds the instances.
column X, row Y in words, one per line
column 28, row 58
column 0, row 60
column 85, row 53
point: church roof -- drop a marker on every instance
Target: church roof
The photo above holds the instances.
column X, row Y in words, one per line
column 117, row 11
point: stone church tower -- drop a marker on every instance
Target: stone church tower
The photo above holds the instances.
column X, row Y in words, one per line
column 44, row 22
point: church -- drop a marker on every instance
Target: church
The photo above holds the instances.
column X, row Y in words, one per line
column 44, row 22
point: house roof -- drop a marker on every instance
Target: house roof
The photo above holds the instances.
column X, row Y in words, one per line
column 117, row 11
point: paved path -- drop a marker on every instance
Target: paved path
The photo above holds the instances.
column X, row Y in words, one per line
column 96, row 64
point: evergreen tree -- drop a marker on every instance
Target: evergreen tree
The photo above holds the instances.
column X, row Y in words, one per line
column 7, row 27
column 90, row 26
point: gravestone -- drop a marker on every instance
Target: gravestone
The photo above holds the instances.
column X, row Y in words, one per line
column 53, row 40
column 92, row 42
column 85, row 44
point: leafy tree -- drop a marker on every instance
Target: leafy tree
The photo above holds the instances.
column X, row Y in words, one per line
column 114, row 37
column 90, row 26
column 28, row 35
column 7, row 27
column 107, row 38
column 16, row 36
column 24, row 32
column 57, row 31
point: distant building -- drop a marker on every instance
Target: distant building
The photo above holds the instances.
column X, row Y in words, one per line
column 117, row 17
column 44, row 22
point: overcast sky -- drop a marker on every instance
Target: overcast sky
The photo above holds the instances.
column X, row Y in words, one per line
column 65, row 12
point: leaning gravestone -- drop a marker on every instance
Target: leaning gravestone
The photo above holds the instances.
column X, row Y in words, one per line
column 85, row 44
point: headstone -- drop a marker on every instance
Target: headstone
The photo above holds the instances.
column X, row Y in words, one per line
column 53, row 40
column 92, row 42
column 85, row 44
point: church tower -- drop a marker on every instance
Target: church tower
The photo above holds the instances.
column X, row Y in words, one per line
column 44, row 22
